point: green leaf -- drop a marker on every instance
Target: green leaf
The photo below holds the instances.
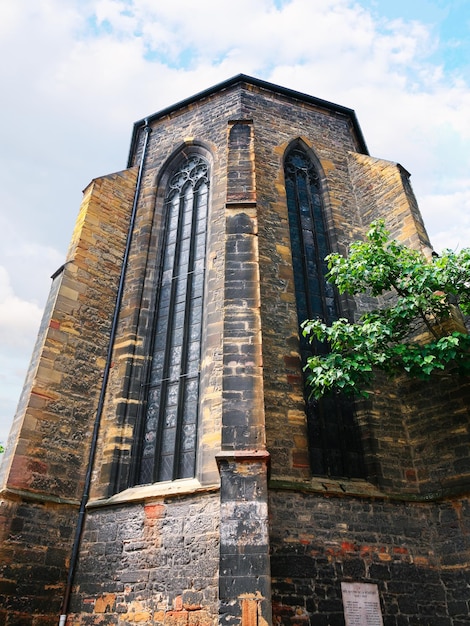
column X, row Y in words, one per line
column 409, row 330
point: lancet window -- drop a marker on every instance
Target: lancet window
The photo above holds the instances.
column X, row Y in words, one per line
column 334, row 442
column 169, row 428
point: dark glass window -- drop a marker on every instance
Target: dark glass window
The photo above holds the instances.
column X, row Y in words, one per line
column 169, row 438
column 334, row 441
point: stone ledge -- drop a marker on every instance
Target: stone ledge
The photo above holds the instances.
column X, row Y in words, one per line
column 23, row 494
column 147, row 492
column 363, row 489
column 242, row 455
column 328, row 486
column 237, row 204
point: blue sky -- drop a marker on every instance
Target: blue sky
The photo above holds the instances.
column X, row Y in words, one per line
column 80, row 72
column 448, row 21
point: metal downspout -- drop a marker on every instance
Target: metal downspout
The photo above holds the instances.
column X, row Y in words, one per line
column 99, row 410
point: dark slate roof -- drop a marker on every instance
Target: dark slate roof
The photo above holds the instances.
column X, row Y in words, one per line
column 243, row 78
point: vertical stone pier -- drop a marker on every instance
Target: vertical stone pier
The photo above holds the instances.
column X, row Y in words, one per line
column 244, row 579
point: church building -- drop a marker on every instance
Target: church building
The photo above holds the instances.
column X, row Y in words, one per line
column 165, row 465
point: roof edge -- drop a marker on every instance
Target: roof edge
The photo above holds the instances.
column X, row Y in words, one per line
column 257, row 82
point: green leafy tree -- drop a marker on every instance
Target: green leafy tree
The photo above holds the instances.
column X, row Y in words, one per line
column 2, row 449
column 416, row 327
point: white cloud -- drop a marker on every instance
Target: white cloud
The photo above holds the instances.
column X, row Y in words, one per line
column 449, row 217
column 19, row 323
column 19, row 319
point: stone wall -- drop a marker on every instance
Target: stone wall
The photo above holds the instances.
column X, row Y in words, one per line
column 403, row 547
column 152, row 563
column 35, row 542
column 437, row 426
column 45, row 464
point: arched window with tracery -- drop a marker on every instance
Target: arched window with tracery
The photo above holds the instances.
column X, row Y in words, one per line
column 334, row 441
column 170, row 411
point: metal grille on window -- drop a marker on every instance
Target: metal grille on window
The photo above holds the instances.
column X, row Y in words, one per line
column 170, row 429
column 334, row 441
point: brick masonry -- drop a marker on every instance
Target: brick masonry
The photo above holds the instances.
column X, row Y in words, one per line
column 254, row 530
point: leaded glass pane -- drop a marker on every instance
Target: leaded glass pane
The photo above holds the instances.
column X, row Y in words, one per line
column 191, row 391
column 189, row 437
column 165, row 469
column 187, row 464
column 146, row 470
column 193, row 367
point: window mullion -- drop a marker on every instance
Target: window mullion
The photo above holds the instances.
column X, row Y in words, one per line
column 163, row 408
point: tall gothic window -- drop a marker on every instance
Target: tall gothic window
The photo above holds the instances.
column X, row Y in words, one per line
column 334, row 442
column 169, row 437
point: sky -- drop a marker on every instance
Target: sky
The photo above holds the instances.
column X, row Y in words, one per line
column 76, row 74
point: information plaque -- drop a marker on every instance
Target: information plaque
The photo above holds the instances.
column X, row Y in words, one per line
column 361, row 604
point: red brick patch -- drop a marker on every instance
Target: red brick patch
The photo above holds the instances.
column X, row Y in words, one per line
column 154, row 511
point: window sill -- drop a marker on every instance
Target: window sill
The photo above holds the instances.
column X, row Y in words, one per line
column 147, row 492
